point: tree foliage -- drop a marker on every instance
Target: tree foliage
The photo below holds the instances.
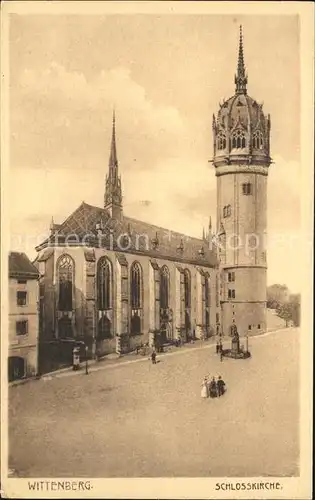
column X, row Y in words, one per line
column 287, row 305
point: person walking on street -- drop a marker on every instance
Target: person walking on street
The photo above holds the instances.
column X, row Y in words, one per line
column 213, row 388
column 153, row 357
column 220, row 386
column 217, row 348
column 204, row 389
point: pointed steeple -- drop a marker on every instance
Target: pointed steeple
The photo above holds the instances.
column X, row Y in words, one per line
column 113, row 162
column 240, row 77
column 113, row 193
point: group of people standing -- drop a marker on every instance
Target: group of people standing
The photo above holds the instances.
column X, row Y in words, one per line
column 212, row 388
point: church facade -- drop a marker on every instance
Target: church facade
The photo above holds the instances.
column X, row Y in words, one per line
column 115, row 282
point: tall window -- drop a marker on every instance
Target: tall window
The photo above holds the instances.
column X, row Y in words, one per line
column 221, row 141
column 104, row 284
column 207, row 298
column 238, row 139
column 136, row 286
column 258, row 140
column 65, row 270
column 187, row 288
column 164, row 288
column 247, row 188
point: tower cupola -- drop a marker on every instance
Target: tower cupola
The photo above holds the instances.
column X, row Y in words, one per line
column 241, row 131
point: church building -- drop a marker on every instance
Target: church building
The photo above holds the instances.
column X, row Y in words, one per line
column 116, row 282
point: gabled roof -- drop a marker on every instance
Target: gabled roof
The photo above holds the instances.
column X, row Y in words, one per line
column 93, row 226
column 20, row 266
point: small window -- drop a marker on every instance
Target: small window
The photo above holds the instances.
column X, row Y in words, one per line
column 227, row 211
column 217, row 317
column 259, row 327
column 22, row 282
column 231, row 277
column 231, row 294
column 249, row 327
column 247, row 189
column 21, row 298
column 22, row 327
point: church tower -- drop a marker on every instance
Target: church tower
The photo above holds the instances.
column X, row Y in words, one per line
column 113, row 193
column 241, row 143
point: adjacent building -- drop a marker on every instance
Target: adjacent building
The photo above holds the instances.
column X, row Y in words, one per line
column 23, row 317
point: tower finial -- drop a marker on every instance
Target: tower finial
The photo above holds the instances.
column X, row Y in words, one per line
column 240, row 77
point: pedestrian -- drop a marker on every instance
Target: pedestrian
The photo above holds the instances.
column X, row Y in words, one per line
column 204, row 388
column 153, row 357
column 213, row 388
column 221, row 355
column 220, row 386
column 217, row 348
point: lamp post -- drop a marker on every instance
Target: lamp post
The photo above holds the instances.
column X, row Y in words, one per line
column 86, row 360
column 246, row 340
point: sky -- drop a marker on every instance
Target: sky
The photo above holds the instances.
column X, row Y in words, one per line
column 165, row 75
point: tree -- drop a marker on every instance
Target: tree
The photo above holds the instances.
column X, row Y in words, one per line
column 277, row 295
column 290, row 310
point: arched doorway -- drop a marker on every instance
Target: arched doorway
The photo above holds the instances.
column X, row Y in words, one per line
column 16, row 368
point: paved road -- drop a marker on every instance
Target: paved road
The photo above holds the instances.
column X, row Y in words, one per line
column 141, row 420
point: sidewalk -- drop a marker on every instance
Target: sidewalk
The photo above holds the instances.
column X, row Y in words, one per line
column 114, row 360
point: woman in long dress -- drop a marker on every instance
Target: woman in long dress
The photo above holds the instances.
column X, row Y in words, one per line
column 204, row 389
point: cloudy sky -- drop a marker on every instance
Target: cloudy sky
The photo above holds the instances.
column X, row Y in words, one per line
column 165, row 75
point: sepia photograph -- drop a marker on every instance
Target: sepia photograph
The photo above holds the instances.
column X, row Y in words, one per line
column 156, row 233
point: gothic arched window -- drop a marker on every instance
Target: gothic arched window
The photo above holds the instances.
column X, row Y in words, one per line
column 238, row 140
column 187, row 288
column 136, row 286
column 164, row 287
column 258, row 140
column 65, row 278
column 221, row 141
column 207, row 300
column 136, row 299
column 104, row 284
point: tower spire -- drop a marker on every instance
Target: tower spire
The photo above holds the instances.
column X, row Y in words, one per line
column 113, row 162
column 240, row 77
column 113, row 193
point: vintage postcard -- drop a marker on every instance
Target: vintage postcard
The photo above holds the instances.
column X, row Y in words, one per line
column 156, row 249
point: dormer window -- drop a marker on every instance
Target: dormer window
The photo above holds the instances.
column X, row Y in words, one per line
column 258, row 142
column 221, row 141
column 238, row 140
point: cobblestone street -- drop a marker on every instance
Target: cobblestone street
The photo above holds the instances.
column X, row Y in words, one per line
column 144, row 420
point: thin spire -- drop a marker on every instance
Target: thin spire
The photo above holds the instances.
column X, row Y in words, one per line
column 240, row 77
column 203, row 233
column 113, row 163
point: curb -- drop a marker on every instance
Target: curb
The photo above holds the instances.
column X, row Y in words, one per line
column 94, row 366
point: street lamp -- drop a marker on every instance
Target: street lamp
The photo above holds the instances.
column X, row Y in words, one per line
column 246, row 340
column 86, row 360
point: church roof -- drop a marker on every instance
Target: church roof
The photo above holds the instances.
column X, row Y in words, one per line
column 21, row 267
column 93, row 226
